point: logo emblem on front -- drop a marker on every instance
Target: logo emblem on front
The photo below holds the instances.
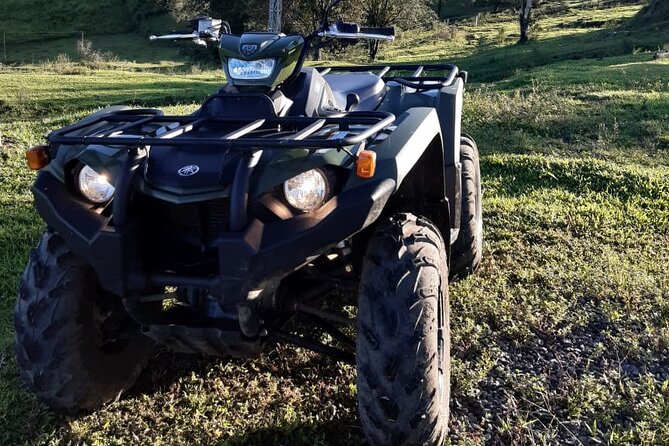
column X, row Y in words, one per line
column 188, row 171
column 249, row 50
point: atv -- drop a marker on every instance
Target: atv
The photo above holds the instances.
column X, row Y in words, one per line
column 230, row 230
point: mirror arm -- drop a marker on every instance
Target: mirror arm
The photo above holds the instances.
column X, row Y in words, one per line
column 326, row 14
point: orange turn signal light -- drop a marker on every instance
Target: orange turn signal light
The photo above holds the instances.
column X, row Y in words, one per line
column 366, row 164
column 38, row 157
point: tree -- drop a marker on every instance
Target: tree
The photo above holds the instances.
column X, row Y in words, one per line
column 526, row 10
column 407, row 14
column 243, row 15
column 304, row 16
column 525, row 20
column 275, row 12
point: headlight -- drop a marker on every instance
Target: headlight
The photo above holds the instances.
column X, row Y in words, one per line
column 307, row 191
column 251, row 69
column 94, row 186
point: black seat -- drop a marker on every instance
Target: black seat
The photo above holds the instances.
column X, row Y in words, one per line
column 369, row 87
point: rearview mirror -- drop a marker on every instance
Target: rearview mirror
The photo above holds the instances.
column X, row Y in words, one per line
column 205, row 30
column 208, row 27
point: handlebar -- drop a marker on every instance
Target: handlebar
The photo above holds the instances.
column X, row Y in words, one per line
column 207, row 30
column 191, row 36
column 355, row 36
column 344, row 30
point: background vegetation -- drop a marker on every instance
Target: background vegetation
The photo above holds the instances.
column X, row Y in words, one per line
column 561, row 338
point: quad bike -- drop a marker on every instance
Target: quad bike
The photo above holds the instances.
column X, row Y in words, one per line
column 214, row 232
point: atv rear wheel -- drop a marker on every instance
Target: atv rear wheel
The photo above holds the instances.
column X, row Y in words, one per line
column 403, row 342
column 467, row 251
column 72, row 344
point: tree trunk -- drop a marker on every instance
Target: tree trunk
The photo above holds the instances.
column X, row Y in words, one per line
column 275, row 9
column 373, row 49
column 525, row 20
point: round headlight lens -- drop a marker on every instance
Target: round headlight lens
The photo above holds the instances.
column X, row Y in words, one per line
column 307, row 191
column 95, row 187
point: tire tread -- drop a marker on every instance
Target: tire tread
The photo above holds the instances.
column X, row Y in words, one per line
column 50, row 331
column 397, row 372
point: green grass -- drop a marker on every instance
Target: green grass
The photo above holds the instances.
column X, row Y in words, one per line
column 39, row 30
column 132, row 47
column 489, row 50
column 30, row 17
column 563, row 335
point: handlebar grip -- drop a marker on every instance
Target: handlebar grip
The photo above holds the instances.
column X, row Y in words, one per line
column 387, row 31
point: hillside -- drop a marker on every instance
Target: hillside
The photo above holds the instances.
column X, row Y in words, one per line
column 560, row 338
column 658, row 9
column 577, row 30
column 62, row 16
column 40, row 30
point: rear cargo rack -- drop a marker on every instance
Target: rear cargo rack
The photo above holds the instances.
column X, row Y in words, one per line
column 140, row 128
column 417, row 79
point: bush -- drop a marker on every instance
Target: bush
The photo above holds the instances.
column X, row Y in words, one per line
column 87, row 53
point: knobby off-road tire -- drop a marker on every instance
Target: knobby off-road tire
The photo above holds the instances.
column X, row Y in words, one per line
column 466, row 252
column 403, row 342
column 59, row 321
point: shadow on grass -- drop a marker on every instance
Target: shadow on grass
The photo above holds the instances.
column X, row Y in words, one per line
column 320, row 433
column 26, row 421
column 330, row 420
column 150, row 94
column 128, row 47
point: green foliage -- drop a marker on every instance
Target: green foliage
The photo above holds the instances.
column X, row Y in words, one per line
column 305, row 15
column 246, row 15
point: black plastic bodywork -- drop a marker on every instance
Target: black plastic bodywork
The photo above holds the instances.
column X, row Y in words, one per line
column 246, row 258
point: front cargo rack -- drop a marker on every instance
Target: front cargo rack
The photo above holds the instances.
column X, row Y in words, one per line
column 141, row 128
column 246, row 134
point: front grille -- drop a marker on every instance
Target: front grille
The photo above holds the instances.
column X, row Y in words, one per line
column 181, row 236
column 208, row 218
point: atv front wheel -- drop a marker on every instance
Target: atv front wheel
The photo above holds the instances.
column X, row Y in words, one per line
column 403, row 342
column 467, row 251
column 72, row 344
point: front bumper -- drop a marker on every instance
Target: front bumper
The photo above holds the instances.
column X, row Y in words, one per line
column 246, row 259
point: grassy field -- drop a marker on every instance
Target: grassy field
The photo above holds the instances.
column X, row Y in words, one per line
column 37, row 30
column 92, row 17
column 561, row 338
